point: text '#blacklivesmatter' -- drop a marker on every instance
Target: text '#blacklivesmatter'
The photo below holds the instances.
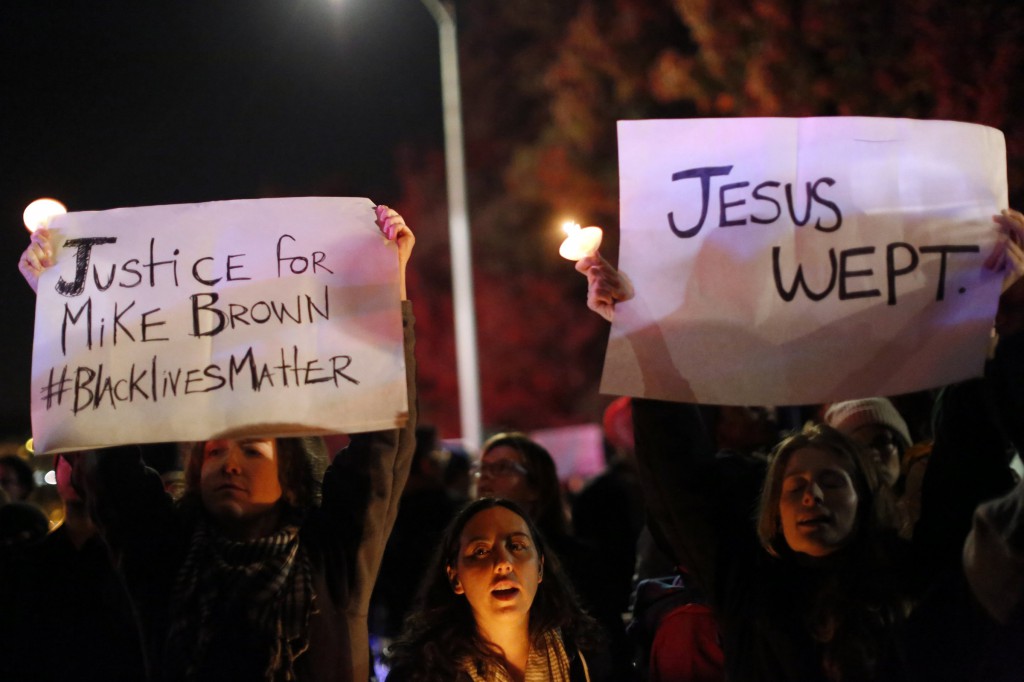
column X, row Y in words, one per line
column 95, row 387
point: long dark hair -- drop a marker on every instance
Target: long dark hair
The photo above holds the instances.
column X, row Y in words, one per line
column 441, row 630
column 542, row 476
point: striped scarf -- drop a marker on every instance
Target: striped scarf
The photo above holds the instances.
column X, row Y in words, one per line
column 547, row 662
column 267, row 582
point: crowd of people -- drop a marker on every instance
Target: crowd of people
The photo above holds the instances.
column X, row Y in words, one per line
column 837, row 543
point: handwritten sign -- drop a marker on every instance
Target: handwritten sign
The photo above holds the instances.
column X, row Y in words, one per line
column 187, row 322
column 797, row 261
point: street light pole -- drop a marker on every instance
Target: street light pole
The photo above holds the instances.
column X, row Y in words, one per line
column 458, row 227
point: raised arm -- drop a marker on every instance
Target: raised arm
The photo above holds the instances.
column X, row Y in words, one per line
column 393, row 226
column 701, row 505
column 363, row 486
column 976, row 422
column 697, row 503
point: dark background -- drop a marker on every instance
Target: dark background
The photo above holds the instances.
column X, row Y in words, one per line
column 108, row 104
column 114, row 103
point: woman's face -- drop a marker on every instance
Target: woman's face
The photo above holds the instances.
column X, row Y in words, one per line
column 881, row 442
column 239, row 482
column 503, row 474
column 818, row 504
column 498, row 567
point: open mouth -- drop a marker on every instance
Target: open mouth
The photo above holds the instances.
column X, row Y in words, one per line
column 815, row 522
column 504, row 589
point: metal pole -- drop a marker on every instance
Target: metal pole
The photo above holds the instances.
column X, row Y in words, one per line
column 458, row 227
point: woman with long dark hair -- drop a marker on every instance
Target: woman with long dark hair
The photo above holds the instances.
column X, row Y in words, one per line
column 516, row 467
column 495, row 606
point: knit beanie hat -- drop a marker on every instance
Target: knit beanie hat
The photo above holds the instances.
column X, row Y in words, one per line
column 850, row 415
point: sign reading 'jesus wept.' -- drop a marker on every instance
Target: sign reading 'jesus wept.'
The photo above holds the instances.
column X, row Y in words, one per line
column 798, row 261
column 179, row 323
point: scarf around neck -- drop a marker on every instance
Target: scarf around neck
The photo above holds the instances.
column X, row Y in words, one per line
column 264, row 583
column 548, row 660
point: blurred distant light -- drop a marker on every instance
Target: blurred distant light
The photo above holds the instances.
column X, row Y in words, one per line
column 50, row 477
column 40, row 212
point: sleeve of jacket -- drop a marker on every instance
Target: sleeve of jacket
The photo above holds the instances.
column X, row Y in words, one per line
column 993, row 557
column 674, row 455
column 129, row 504
column 361, row 492
column 141, row 526
column 970, row 460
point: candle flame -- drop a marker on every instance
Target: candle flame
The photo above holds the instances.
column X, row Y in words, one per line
column 40, row 212
column 579, row 242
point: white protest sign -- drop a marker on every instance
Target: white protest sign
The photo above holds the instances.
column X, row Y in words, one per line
column 799, row 261
column 186, row 322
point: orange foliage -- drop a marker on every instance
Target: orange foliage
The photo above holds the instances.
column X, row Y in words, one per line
column 544, row 84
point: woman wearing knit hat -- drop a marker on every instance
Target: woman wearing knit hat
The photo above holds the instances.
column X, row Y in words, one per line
column 877, row 425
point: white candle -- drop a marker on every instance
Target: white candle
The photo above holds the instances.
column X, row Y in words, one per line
column 40, row 212
column 579, row 242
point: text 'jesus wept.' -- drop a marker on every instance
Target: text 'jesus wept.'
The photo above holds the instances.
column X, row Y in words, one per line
column 851, row 270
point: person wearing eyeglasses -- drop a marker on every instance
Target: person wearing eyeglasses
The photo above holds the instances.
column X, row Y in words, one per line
column 517, row 468
column 512, row 466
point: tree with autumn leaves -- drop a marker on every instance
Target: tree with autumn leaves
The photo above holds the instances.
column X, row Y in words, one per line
column 543, row 85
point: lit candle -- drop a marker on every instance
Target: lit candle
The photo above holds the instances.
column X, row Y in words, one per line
column 40, row 212
column 579, row 242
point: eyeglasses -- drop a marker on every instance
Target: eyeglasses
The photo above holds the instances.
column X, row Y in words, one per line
column 499, row 469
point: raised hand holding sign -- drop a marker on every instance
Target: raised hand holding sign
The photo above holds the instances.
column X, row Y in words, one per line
column 188, row 322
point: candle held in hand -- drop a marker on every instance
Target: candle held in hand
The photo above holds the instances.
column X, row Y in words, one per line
column 579, row 242
column 40, row 212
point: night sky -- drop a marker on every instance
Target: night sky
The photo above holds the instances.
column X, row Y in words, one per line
column 110, row 104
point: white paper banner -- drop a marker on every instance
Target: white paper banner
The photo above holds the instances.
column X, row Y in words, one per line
column 799, row 261
column 180, row 323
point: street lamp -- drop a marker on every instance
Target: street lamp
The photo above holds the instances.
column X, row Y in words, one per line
column 467, row 366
